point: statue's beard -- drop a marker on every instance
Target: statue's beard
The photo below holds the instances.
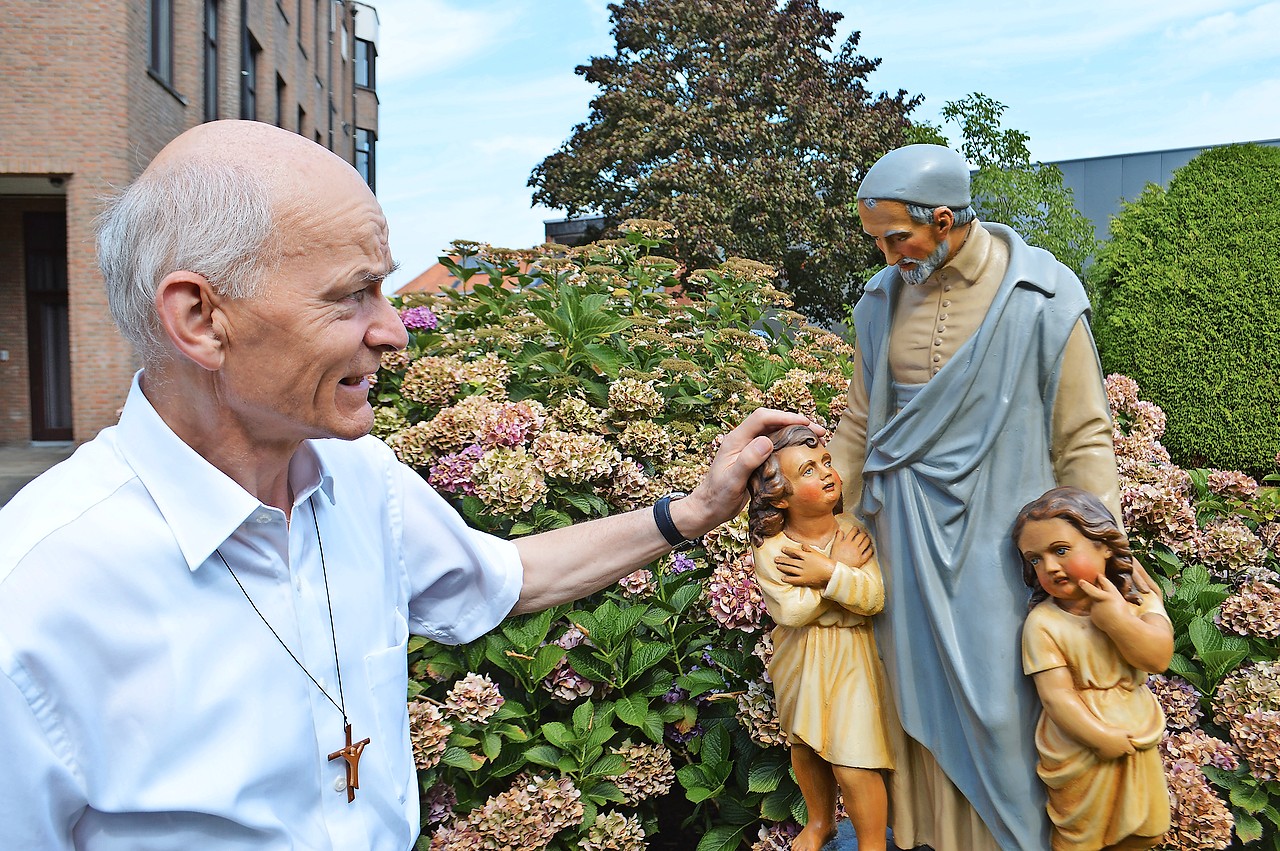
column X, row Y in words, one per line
column 926, row 267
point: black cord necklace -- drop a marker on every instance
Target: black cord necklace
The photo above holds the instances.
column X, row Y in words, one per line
column 351, row 751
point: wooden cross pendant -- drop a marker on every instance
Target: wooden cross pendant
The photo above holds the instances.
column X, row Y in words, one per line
column 351, row 753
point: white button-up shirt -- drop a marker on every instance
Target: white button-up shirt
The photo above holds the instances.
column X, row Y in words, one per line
column 143, row 702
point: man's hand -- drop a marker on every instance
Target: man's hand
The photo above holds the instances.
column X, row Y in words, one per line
column 723, row 490
column 802, row 565
column 566, row 564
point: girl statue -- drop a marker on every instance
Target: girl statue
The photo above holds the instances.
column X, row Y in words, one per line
column 1089, row 641
column 821, row 583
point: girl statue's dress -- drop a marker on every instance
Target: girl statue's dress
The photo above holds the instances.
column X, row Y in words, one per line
column 1093, row 802
column 826, row 672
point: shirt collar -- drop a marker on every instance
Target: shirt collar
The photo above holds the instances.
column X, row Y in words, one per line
column 971, row 260
column 202, row 505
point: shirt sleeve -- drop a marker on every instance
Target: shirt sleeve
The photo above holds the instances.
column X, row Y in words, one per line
column 858, row 589
column 788, row 605
column 462, row 582
column 1082, row 450
column 1152, row 605
column 40, row 800
column 1039, row 651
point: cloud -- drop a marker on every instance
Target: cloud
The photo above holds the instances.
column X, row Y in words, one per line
column 421, row 37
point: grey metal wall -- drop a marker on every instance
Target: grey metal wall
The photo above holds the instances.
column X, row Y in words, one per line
column 1100, row 184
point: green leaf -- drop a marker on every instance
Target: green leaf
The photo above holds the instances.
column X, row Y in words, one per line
column 722, row 838
column 1193, row 580
column 768, row 771
column 583, row 715
column 1248, row 828
column 601, row 791
column 685, row 595
column 513, row 732
column 545, row 661
column 776, row 806
column 609, row 765
column 465, row 760
column 609, row 626
column 653, row 727
column 584, row 660
column 692, row 776
column 632, row 710
column 543, row 755
column 799, row 810
column 557, row 734
column 700, row 681
column 586, row 622
column 492, row 746
column 698, row 794
column 715, row 746
column 1185, row 668
column 644, row 655
column 1220, row 653
column 1251, row 799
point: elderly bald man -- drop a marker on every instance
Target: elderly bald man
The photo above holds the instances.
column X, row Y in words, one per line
column 204, row 612
column 977, row 389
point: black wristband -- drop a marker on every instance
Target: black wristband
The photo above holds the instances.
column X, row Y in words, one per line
column 662, row 516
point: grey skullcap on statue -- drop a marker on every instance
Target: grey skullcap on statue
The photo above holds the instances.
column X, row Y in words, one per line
column 928, row 175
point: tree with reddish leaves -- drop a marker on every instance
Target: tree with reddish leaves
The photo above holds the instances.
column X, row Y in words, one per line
column 736, row 121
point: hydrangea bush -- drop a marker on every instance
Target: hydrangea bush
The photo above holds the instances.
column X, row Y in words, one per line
column 1211, row 538
column 589, row 385
column 586, row 385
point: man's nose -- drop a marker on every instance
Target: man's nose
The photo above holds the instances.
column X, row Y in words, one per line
column 891, row 257
column 387, row 329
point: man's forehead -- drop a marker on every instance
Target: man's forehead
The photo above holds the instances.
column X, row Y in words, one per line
column 884, row 218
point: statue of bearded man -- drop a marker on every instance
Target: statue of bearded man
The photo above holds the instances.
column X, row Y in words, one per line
column 977, row 389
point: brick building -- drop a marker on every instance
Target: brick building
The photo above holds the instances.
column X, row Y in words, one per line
column 93, row 89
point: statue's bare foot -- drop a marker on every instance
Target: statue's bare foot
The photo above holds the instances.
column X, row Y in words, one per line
column 813, row 837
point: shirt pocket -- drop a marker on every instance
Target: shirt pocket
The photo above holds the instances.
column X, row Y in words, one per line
column 388, row 674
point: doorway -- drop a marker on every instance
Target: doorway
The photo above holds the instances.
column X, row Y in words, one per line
column 48, row 326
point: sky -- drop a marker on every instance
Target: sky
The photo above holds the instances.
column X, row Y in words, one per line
column 475, row 93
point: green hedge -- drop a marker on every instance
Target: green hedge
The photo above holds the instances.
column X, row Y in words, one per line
column 1187, row 301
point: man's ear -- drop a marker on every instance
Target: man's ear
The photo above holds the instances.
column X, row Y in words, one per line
column 943, row 220
column 187, row 306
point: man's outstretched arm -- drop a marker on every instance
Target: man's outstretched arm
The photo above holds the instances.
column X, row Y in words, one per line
column 565, row 564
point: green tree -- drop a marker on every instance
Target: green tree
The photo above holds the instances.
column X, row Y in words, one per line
column 1185, row 299
column 1011, row 189
column 737, row 122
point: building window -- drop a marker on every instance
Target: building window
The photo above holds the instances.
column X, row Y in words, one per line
column 281, row 95
column 365, row 144
column 366, row 53
column 161, row 62
column 302, row 121
column 210, row 60
column 249, row 77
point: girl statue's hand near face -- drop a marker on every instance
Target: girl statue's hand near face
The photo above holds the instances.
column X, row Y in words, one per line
column 1109, row 610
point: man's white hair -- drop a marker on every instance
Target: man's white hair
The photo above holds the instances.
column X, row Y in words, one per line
column 206, row 216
